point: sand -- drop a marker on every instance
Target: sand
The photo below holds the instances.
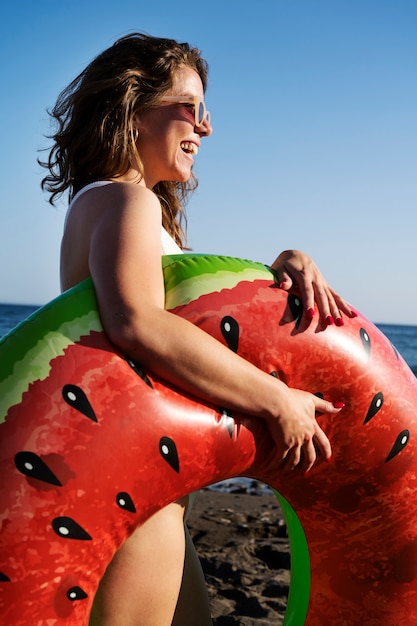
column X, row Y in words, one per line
column 243, row 546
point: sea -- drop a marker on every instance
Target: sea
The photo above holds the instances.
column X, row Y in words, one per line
column 403, row 337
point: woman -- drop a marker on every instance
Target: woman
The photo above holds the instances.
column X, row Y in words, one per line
column 129, row 128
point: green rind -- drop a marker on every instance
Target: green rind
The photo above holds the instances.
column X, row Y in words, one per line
column 188, row 277
column 69, row 305
column 299, row 595
column 26, row 352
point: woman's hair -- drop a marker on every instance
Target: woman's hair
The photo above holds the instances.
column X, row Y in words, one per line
column 95, row 138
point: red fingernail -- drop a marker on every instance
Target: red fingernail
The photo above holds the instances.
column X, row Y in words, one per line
column 339, row 321
column 338, row 405
column 282, row 284
column 329, row 320
column 329, row 460
column 310, row 313
column 353, row 313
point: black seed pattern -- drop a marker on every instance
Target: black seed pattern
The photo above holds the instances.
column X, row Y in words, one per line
column 76, row 398
column 32, row 465
column 376, row 405
column 125, row 502
column 76, row 593
column 4, row 578
column 68, row 529
column 168, row 450
column 135, row 367
column 296, row 308
column 399, row 444
column 230, row 332
column 366, row 341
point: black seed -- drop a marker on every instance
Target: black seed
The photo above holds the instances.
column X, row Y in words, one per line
column 376, row 404
column 366, row 341
column 76, row 593
column 32, row 465
column 125, row 502
column 168, row 450
column 296, row 308
column 230, row 332
column 135, row 367
column 76, row 398
column 399, row 444
column 68, row 529
column 4, row 578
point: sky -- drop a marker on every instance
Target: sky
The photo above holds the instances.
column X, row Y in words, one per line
column 314, row 145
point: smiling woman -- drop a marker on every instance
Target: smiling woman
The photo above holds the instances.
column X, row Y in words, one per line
column 173, row 126
column 129, row 128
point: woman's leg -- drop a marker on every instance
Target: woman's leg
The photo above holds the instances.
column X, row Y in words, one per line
column 142, row 583
column 193, row 607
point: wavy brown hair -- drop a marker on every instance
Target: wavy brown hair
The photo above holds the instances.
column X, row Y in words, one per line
column 94, row 138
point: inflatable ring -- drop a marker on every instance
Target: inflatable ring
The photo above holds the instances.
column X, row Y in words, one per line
column 92, row 446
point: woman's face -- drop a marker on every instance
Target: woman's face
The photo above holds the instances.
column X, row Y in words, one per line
column 168, row 138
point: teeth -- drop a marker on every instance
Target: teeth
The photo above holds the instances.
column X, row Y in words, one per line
column 189, row 147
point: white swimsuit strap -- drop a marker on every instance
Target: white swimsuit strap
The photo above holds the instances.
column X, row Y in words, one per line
column 168, row 244
column 98, row 183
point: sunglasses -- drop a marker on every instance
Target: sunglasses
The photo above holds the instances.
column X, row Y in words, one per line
column 201, row 114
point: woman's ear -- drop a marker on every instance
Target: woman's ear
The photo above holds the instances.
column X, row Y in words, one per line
column 136, row 122
column 135, row 128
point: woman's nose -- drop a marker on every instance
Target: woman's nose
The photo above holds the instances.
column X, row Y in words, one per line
column 205, row 129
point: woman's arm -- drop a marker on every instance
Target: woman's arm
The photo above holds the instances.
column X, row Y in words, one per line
column 125, row 264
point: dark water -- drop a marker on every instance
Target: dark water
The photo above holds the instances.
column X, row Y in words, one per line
column 13, row 314
column 404, row 339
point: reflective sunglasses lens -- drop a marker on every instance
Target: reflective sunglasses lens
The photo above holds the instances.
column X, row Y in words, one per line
column 201, row 112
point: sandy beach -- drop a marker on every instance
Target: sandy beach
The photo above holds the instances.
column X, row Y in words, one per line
column 243, row 546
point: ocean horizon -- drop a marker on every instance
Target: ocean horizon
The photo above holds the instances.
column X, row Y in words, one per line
column 402, row 336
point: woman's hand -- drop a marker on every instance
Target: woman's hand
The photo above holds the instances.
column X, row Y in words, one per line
column 298, row 437
column 296, row 271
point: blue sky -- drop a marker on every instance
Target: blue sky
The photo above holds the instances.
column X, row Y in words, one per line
column 314, row 109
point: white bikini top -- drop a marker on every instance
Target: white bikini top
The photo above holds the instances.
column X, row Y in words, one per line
column 167, row 243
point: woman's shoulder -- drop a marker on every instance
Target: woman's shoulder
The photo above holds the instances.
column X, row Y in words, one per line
column 112, row 196
column 110, row 188
column 112, row 207
column 96, row 184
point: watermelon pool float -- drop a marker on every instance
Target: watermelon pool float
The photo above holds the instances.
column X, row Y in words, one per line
column 92, row 446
